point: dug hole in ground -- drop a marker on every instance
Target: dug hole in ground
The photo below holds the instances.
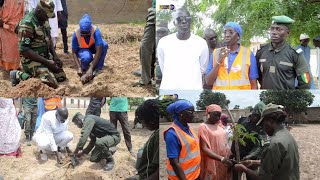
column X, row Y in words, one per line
column 115, row 79
column 306, row 135
column 29, row 167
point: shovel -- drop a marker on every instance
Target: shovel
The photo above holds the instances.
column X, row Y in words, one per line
column 74, row 161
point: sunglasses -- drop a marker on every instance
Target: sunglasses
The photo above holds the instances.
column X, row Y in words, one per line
column 183, row 18
column 212, row 38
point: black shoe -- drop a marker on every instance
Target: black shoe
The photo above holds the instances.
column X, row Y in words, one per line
column 13, row 77
column 109, row 166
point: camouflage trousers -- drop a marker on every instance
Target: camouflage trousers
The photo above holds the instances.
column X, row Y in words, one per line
column 39, row 71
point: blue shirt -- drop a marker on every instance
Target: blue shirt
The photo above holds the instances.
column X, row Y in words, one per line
column 173, row 144
column 253, row 69
column 97, row 40
column 306, row 53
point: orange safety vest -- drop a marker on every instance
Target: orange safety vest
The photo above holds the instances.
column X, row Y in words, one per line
column 189, row 157
column 82, row 42
column 238, row 78
column 52, row 103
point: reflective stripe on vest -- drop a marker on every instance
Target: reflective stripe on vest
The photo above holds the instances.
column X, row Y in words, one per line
column 189, row 157
column 227, row 82
column 81, row 40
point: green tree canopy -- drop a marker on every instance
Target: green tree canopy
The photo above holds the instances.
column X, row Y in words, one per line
column 293, row 100
column 255, row 16
column 208, row 97
column 236, row 107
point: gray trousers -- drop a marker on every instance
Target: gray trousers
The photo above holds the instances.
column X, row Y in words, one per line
column 147, row 56
column 123, row 119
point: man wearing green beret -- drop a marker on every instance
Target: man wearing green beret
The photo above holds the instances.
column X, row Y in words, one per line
column 280, row 64
column 252, row 150
column 104, row 137
column 280, row 160
column 38, row 57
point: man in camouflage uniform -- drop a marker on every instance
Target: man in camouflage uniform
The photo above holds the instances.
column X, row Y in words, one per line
column 38, row 57
column 280, row 64
column 29, row 106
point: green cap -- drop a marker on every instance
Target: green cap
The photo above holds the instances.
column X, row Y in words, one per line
column 48, row 7
column 270, row 108
column 75, row 116
column 258, row 108
column 282, row 20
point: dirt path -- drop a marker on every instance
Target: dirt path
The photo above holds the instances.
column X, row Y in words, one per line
column 116, row 78
column 28, row 167
column 307, row 137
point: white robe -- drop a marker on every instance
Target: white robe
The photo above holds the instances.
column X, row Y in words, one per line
column 10, row 129
column 52, row 21
column 52, row 133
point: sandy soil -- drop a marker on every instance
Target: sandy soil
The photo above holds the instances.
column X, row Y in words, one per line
column 306, row 135
column 116, row 78
column 28, row 167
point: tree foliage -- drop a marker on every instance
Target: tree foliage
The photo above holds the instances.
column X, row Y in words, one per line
column 293, row 100
column 255, row 16
column 208, row 97
column 236, row 107
column 135, row 101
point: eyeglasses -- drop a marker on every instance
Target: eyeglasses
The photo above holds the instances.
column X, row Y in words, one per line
column 183, row 18
column 189, row 111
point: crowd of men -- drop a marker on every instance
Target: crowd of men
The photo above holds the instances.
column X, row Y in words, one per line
column 189, row 62
column 45, row 122
column 209, row 152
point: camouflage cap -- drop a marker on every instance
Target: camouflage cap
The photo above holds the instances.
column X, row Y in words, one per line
column 48, row 7
column 270, row 108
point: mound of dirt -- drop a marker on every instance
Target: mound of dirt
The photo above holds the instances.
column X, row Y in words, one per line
column 35, row 88
column 115, row 79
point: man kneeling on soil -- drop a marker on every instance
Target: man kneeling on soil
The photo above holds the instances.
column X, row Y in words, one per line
column 52, row 134
column 86, row 41
column 104, row 137
column 38, row 57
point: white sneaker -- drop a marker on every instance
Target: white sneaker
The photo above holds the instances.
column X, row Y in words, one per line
column 43, row 157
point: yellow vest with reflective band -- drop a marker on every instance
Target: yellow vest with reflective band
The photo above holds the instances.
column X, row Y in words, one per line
column 238, row 78
column 82, row 42
column 189, row 157
column 52, row 103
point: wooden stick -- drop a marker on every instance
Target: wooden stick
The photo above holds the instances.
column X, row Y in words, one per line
column 236, row 142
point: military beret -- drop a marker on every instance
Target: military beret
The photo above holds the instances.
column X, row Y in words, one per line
column 48, row 7
column 282, row 20
column 75, row 116
column 270, row 108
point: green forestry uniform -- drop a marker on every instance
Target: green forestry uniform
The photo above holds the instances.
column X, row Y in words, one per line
column 280, row 160
column 103, row 136
column 279, row 67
